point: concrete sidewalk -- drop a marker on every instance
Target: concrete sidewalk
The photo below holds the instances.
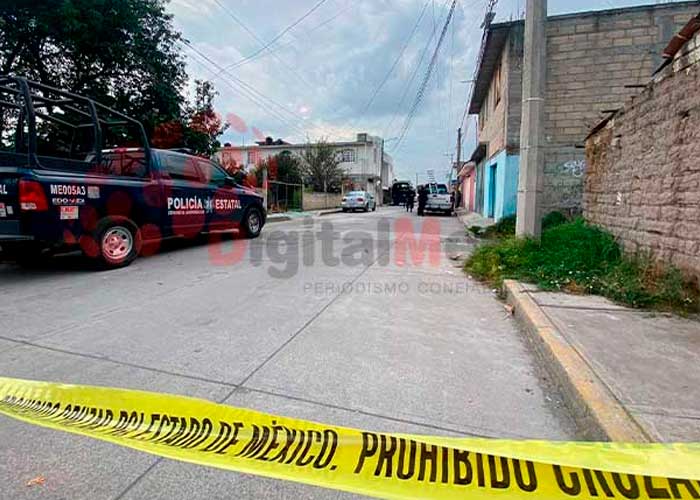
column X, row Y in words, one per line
column 634, row 375
column 287, row 216
column 471, row 219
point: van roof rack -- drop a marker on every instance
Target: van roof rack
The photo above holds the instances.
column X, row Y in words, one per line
column 31, row 95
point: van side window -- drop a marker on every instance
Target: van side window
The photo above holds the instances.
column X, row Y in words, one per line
column 124, row 163
column 182, row 168
column 212, row 173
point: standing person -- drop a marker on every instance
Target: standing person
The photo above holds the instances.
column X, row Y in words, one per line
column 422, row 200
column 410, row 196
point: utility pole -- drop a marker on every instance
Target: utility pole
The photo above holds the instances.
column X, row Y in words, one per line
column 459, row 147
column 529, row 222
column 265, row 185
column 459, row 166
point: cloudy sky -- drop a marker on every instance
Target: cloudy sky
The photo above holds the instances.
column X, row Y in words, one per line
column 324, row 76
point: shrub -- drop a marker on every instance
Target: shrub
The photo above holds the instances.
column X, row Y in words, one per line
column 553, row 219
column 495, row 262
column 476, row 230
column 503, row 228
column 581, row 258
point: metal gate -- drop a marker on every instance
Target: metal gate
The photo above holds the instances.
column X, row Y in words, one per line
column 284, row 197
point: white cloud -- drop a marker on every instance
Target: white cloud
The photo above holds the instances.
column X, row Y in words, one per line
column 325, row 70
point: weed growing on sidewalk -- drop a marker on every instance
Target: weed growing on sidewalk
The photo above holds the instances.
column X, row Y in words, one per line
column 501, row 229
column 581, row 258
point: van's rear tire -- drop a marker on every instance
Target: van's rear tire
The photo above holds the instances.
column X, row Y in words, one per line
column 118, row 243
column 252, row 222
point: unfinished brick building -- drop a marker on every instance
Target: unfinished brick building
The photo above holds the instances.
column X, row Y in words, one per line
column 595, row 62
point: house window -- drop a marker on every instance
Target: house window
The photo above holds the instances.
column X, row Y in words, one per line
column 348, row 156
column 252, row 157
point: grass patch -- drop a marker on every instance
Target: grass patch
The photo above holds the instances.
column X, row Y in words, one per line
column 506, row 226
column 502, row 228
column 580, row 258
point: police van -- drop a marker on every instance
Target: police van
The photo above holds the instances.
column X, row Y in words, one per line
column 75, row 174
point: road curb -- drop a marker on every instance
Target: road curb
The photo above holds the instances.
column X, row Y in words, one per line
column 597, row 412
column 329, row 212
column 281, row 218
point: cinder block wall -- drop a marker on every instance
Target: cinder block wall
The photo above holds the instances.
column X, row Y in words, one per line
column 319, row 201
column 513, row 73
column 591, row 58
column 642, row 182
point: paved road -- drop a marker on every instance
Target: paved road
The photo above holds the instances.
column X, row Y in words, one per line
column 275, row 325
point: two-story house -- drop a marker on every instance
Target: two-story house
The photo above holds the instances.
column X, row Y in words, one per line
column 367, row 166
column 594, row 62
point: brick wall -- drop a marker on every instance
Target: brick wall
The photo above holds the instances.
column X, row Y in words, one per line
column 492, row 129
column 514, row 86
column 642, row 181
column 319, row 201
column 591, row 58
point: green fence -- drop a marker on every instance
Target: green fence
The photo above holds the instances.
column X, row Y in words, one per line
column 284, row 197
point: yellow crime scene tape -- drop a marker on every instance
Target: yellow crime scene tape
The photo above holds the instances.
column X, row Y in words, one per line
column 386, row 465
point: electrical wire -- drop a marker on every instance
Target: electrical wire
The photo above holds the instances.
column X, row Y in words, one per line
column 489, row 8
column 451, row 79
column 262, row 42
column 251, row 93
column 279, row 35
column 426, row 79
column 286, row 44
column 407, row 87
column 398, row 58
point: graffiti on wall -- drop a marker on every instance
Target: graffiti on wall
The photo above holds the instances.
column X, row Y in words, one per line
column 575, row 168
column 564, row 186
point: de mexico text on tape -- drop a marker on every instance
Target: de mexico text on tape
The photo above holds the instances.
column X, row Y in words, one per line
column 386, row 465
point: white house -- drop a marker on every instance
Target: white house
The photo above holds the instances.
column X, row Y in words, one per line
column 367, row 166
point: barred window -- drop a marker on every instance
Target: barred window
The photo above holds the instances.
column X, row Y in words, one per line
column 348, row 156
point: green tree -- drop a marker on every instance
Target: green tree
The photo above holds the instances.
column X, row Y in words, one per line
column 283, row 167
column 203, row 125
column 321, row 166
column 122, row 53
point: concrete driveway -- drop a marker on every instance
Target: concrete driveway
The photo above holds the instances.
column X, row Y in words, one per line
column 320, row 319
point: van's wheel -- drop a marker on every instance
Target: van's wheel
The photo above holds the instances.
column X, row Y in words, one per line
column 252, row 222
column 118, row 243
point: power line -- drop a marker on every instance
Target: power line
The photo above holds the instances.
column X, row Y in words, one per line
column 409, row 83
column 491, row 5
column 307, row 32
column 249, row 88
column 261, row 42
column 251, row 93
column 279, row 35
column 426, row 78
column 283, row 122
column 398, row 58
column 451, row 78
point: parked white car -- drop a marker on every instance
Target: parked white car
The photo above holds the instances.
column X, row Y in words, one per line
column 358, row 200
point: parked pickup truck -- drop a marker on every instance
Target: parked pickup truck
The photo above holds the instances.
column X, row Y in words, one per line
column 439, row 199
column 57, row 194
